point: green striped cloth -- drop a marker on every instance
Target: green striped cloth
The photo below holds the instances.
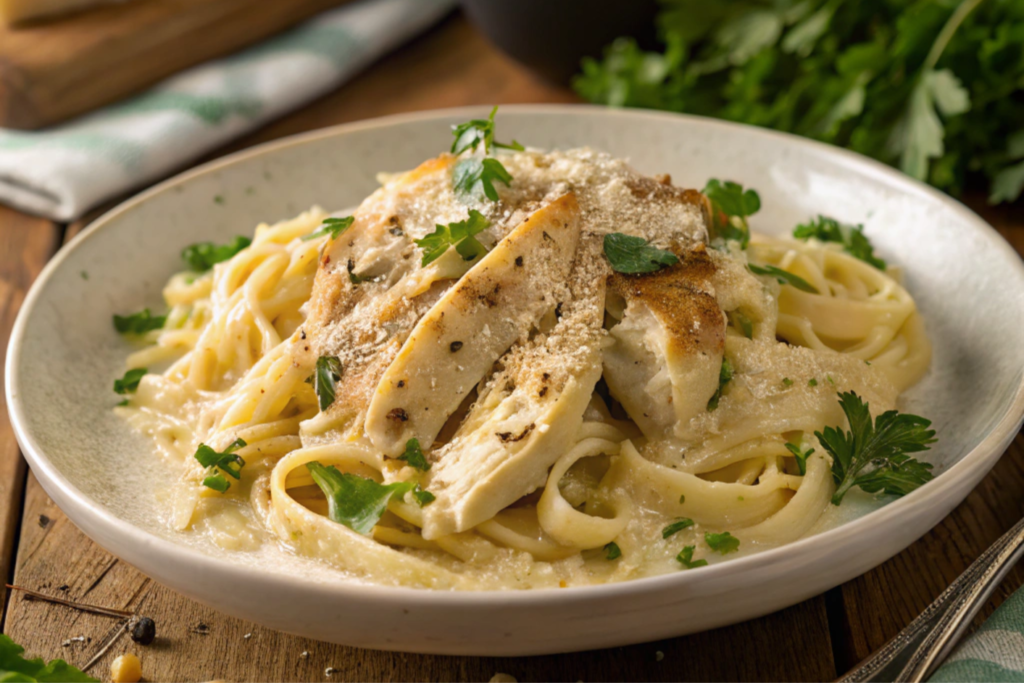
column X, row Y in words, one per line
column 64, row 171
column 995, row 652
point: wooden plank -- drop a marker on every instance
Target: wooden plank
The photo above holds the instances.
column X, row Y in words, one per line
column 197, row 643
column 121, row 49
column 26, row 244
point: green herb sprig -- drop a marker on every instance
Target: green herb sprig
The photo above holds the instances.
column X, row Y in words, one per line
column 801, row 456
column 851, row 237
column 612, row 551
column 724, row 377
column 477, row 175
column 784, row 277
column 15, row 667
column 218, row 464
column 414, row 455
column 139, row 323
column 873, row 455
column 677, row 526
column 723, row 543
column 461, row 235
column 730, row 207
column 203, row 256
column 685, row 558
column 129, row 383
column 358, row 502
column 634, row 255
column 325, row 378
column 332, row 226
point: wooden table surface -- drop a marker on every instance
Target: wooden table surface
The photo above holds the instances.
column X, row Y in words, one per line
column 815, row 640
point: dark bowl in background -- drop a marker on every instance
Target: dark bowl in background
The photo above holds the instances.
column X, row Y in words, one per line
column 550, row 37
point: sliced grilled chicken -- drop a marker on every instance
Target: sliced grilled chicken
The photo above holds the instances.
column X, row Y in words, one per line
column 500, row 300
column 664, row 364
column 528, row 413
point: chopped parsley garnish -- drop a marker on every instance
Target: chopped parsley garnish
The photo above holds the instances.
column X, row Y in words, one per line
column 874, row 456
column 356, row 502
column 723, row 543
column 473, row 176
column 851, row 237
column 332, row 226
column 730, row 207
column 812, row 382
column 784, row 277
column 787, row 382
column 744, row 323
column 677, row 526
column 800, row 455
column 423, row 497
column 352, row 277
column 682, row 498
column 14, row 666
column 632, row 255
column 219, row 464
column 139, row 323
column 130, row 382
column 470, row 134
column 685, row 558
column 202, row 256
column 461, row 235
column 612, row 551
column 325, row 377
column 414, row 455
column 724, row 377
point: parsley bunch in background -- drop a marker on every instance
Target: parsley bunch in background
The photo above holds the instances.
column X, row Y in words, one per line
column 934, row 87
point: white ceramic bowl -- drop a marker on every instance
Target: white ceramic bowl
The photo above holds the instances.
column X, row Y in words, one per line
column 63, row 355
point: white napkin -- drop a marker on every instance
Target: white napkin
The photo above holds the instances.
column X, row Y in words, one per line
column 63, row 171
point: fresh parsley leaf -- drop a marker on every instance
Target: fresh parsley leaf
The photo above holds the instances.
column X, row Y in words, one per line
column 14, row 667
column 787, row 382
column 422, row 496
column 730, row 207
column 873, row 455
column 219, row 464
column 470, row 134
column 474, row 176
column 461, row 235
column 812, row 382
column 724, row 377
column 933, row 87
column 723, row 543
column 356, row 502
column 130, row 382
column 851, row 237
column 202, row 256
column 414, row 455
column 325, row 377
column 784, row 277
column 677, row 526
column 612, row 551
column 332, row 226
column 800, row 455
column 685, row 558
column 633, row 255
column 139, row 323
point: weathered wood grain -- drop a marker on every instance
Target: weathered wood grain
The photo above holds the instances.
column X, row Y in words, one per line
column 119, row 49
column 26, row 244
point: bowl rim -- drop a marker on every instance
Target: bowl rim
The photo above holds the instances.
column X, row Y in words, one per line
column 984, row 454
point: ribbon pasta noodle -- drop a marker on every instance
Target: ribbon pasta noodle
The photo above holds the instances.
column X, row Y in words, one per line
column 241, row 343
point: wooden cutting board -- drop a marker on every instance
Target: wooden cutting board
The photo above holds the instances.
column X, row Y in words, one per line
column 54, row 70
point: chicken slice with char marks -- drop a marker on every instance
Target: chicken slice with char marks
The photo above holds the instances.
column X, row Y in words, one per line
column 664, row 364
column 527, row 415
column 454, row 345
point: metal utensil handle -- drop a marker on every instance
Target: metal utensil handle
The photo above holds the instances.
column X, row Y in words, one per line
column 916, row 650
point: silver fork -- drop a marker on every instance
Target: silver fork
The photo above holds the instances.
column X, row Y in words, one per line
column 917, row 650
